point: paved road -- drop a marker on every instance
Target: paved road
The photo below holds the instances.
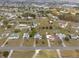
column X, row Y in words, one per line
column 36, row 48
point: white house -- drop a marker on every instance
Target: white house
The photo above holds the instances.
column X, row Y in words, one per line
column 34, row 25
column 5, row 34
column 51, row 22
column 30, row 17
column 22, row 26
column 61, row 36
column 10, row 16
column 14, row 36
column 26, row 36
column 75, row 27
column 73, row 36
column 37, row 36
column 63, row 24
column 51, row 37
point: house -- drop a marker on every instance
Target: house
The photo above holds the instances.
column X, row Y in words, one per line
column 1, row 24
column 55, row 18
column 61, row 36
column 75, row 27
column 10, row 16
column 73, row 36
column 63, row 24
column 37, row 36
column 22, row 26
column 5, row 34
column 11, row 23
column 26, row 36
column 77, row 31
column 30, row 17
column 50, row 22
column 52, row 37
column 14, row 36
column 34, row 25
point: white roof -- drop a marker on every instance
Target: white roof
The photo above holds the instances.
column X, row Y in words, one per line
column 38, row 36
column 50, row 37
column 13, row 36
column 61, row 36
column 26, row 35
column 22, row 25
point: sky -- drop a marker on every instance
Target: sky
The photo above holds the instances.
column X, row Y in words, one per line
column 50, row 0
column 73, row 0
column 69, row 0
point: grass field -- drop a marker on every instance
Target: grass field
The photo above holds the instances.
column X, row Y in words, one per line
column 47, row 54
column 68, row 53
column 13, row 43
column 28, row 43
column 41, row 43
column 23, row 54
column 56, row 43
column 72, row 43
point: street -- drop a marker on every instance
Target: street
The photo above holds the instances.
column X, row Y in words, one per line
column 36, row 48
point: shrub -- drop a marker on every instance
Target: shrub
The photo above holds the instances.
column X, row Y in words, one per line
column 66, row 38
column 50, row 27
column 32, row 33
column 8, row 26
column 17, row 30
column 5, row 53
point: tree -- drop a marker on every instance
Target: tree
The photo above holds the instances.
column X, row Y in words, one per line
column 9, row 26
column 46, row 27
column 32, row 33
column 1, row 18
column 5, row 22
column 43, row 42
column 66, row 38
column 17, row 30
column 50, row 27
column 43, row 27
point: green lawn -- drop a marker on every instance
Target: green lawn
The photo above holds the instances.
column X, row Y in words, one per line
column 14, row 43
column 23, row 54
column 41, row 43
column 72, row 43
column 28, row 43
column 68, row 53
column 56, row 43
column 47, row 54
